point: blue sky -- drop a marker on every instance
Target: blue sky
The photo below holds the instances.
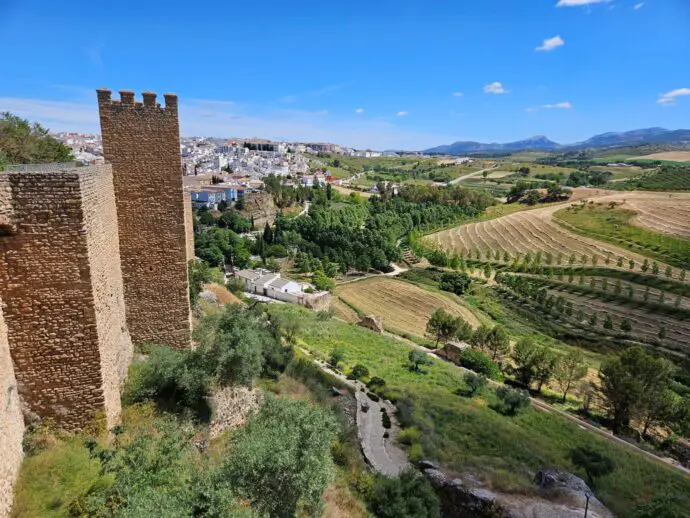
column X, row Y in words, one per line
column 376, row 73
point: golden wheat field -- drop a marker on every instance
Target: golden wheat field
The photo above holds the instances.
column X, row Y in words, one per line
column 404, row 307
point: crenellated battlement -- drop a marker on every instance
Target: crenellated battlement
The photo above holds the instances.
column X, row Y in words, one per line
column 127, row 100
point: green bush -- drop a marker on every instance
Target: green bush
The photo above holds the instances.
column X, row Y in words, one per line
column 511, row 401
column 407, row 496
column 475, row 383
column 385, row 419
column 359, row 371
column 479, row 362
column 409, row 436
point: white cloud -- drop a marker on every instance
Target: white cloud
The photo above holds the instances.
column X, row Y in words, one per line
column 551, row 43
column 359, row 110
column 638, row 6
column 222, row 118
column 457, row 94
column 495, row 88
column 578, row 3
column 558, row 106
column 530, row 110
column 669, row 98
column 402, row 114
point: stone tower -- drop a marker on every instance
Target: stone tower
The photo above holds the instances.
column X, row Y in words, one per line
column 62, row 294
column 142, row 142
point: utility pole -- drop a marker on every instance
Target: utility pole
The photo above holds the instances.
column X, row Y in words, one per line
column 588, row 495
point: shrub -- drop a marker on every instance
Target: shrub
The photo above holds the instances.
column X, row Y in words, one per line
column 359, row 371
column 480, row 363
column 386, row 420
column 455, row 282
column 511, row 401
column 171, row 378
column 376, row 382
column 337, row 355
column 407, row 496
column 410, row 436
column 475, row 383
column 373, row 397
column 417, row 359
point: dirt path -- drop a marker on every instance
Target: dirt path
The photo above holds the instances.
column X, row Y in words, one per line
column 383, row 454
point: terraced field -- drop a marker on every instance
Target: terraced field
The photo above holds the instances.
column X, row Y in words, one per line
column 535, row 230
column 646, row 324
column 404, row 307
column 664, row 213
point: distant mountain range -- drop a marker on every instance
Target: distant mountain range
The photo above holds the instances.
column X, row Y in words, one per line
column 679, row 138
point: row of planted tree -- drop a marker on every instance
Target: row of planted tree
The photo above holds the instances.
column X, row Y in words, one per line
column 635, row 389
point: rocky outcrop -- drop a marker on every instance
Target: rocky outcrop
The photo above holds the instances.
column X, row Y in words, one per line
column 558, row 494
column 230, row 407
column 260, row 207
column 372, row 322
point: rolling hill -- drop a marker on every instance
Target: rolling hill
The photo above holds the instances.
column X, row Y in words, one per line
column 673, row 138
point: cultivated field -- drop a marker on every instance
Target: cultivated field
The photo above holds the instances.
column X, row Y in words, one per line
column 347, row 192
column 535, row 230
column 646, row 323
column 672, row 156
column 661, row 212
column 404, row 307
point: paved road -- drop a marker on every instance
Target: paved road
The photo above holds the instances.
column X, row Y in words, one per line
column 305, row 209
column 383, row 454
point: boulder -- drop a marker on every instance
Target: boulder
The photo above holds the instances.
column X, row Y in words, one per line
column 372, row 322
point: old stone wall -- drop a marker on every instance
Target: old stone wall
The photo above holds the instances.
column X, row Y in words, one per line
column 189, row 226
column 11, row 424
column 115, row 345
column 6, row 211
column 52, row 270
column 142, row 142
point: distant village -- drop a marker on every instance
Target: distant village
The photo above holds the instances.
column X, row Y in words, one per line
column 224, row 170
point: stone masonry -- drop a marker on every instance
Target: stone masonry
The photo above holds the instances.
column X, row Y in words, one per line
column 142, row 142
column 11, row 423
column 63, row 297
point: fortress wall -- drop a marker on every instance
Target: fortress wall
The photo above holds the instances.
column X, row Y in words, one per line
column 11, row 424
column 189, row 226
column 115, row 345
column 46, row 284
column 6, row 211
column 142, row 142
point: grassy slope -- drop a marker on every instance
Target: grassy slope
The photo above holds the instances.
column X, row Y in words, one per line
column 613, row 226
column 464, row 433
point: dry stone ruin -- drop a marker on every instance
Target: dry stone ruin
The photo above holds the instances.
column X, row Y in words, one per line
column 92, row 260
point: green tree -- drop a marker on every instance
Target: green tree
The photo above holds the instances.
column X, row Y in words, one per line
column 322, row 282
column 22, row 142
column 608, row 322
column 626, row 325
column 631, row 264
column 281, row 459
column 441, row 325
column 268, row 234
column 645, row 265
column 655, row 268
column 497, row 342
column 593, row 320
column 658, row 408
column 475, row 383
column 523, row 356
column 668, row 272
column 662, row 333
column 569, row 370
column 418, row 358
column 455, row 282
column 625, row 381
column 511, row 401
column 619, row 263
